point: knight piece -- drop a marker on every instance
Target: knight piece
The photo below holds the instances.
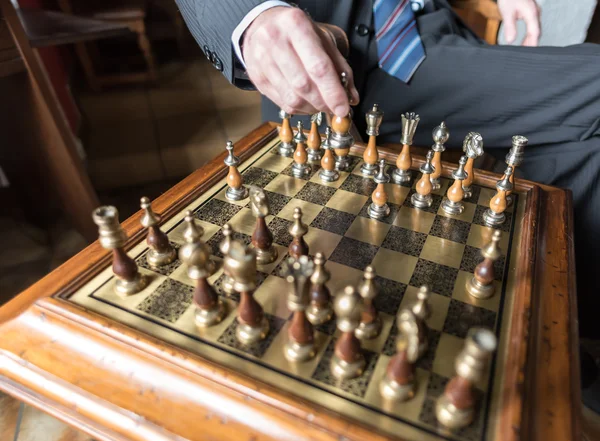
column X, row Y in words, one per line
column 161, row 251
column 262, row 238
column 301, row 339
column 422, row 197
column 494, row 215
column 370, row 323
column 379, row 207
column 514, row 158
column 286, row 135
column 473, row 148
column 341, row 138
column 236, row 190
column 224, row 248
column 440, row 137
column 452, row 204
column 455, row 407
column 320, row 310
column 298, row 247
column 328, row 173
column 404, row 162
column 347, row 361
column 371, row 156
column 112, row 237
column 481, row 285
column 314, row 138
column 300, row 167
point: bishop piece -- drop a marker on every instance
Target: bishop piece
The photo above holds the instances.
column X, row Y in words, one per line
column 440, row 137
column 379, row 207
column 262, row 238
column 314, row 138
column 236, row 190
column 494, row 215
column 452, row 204
column 161, row 251
column 370, row 322
column 298, row 247
column 341, row 138
column 300, row 167
column 347, row 361
column 286, row 135
column 481, row 285
column 371, row 156
column 328, row 173
column 404, row 162
column 320, row 309
column 473, row 148
column 422, row 197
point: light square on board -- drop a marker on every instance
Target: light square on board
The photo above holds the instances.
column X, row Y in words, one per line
column 347, row 201
column 368, row 230
column 396, row 193
column 176, row 235
column 245, row 222
column 321, row 241
column 480, row 236
column 394, row 265
column 273, row 163
column 466, row 215
column 439, row 306
column 442, row 251
column 285, row 185
column 341, row 276
column 414, row 219
column 309, row 210
column 271, row 295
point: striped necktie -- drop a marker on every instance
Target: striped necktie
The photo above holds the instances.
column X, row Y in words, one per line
column 399, row 44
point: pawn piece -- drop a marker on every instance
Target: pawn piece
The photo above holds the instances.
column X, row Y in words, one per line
column 240, row 263
column 194, row 232
column 314, row 138
column 422, row 312
column 298, row 247
column 161, row 251
column 514, row 158
column 473, row 148
column 371, row 156
column 236, row 190
column 262, row 238
column 328, row 173
column 210, row 310
column 404, row 162
column 455, row 407
column 370, row 323
column 422, row 198
column 481, row 285
column 494, row 215
column 224, row 248
column 452, row 204
column 320, row 310
column 379, row 207
column 341, row 138
column 112, row 237
column 440, row 137
column 300, row 168
column 286, row 135
column 301, row 335
column 347, row 361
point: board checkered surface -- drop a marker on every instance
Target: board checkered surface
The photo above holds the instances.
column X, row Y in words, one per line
column 409, row 248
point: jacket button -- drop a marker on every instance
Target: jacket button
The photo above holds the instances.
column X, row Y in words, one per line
column 207, row 53
column 216, row 61
column 362, row 30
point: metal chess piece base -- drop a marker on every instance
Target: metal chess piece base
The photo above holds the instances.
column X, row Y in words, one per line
column 329, row 176
column 450, row 207
column 478, row 290
column 342, row 163
column 319, row 315
column 295, row 352
column 378, row 212
column 394, row 391
column 156, row 259
column 300, row 170
column 264, row 257
column 127, row 288
column 210, row 317
column 236, row 194
column 368, row 169
column 421, row 201
column 435, row 184
column 450, row 416
column 401, row 176
column 468, row 192
column 367, row 331
column 228, row 285
column 248, row 335
column 314, row 155
column 286, row 149
column 343, row 370
column 492, row 219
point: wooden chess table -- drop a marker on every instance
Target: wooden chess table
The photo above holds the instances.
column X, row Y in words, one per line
column 138, row 368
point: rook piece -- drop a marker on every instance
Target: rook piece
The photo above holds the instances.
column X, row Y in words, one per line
column 224, row 248
column 440, row 137
column 370, row 323
column 112, row 237
column 514, row 158
column 347, row 361
column 301, row 339
column 262, row 238
column 494, row 215
column 473, row 148
column 328, row 173
column 240, row 263
column 422, row 312
column 452, row 204
column 403, row 163
column 320, row 309
column 298, row 229
column 300, row 168
column 481, row 285
column 314, row 138
column 286, row 135
column 161, row 252
column 210, row 310
column 422, row 198
column 379, row 207
column 455, row 407
column 341, row 138
column 371, row 156
column 236, row 190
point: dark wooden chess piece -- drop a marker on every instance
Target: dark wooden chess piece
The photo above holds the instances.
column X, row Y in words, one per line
column 161, row 251
column 262, row 238
column 440, row 137
column 347, row 361
column 481, row 285
column 404, row 162
column 370, row 323
column 320, row 310
column 298, row 229
column 473, row 148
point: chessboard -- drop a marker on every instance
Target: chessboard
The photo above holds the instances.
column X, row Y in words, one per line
column 408, row 249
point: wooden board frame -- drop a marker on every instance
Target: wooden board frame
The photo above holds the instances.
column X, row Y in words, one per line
column 116, row 383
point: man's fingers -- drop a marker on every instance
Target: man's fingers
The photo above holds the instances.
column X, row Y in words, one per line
column 531, row 16
column 342, row 66
column 510, row 27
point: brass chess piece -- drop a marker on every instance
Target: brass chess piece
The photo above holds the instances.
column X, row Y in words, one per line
column 161, row 251
column 224, row 248
column 300, row 168
column 328, row 173
column 422, row 197
column 371, row 156
column 262, row 238
column 379, row 207
column 404, row 162
column 235, row 190
column 481, row 285
column 494, row 215
column 452, row 204
column 286, row 135
column 473, row 148
column 194, row 232
column 422, row 311
column 314, row 138
column 514, row 158
column 455, row 408
column 440, row 137
column 113, row 237
column 341, row 138
column 320, row 310
column 298, row 247
column 370, row 323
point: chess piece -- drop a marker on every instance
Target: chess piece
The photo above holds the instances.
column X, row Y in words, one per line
column 494, row 215
column 341, row 138
column 328, row 173
column 320, row 310
column 314, row 138
column 452, row 204
column 422, row 197
column 455, row 407
column 112, row 237
column 301, row 339
column 161, row 251
column 481, row 285
column 473, row 148
column 286, row 135
column 371, row 156
column 300, row 168
column 236, row 190
column 195, row 254
column 440, row 137
column 194, row 232
column 227, row 283
column 404, row 162
column 240, row 263
column 262, row 238
column 379, row 207
column 298, row 229
column 398, row 384
column 514, row 158
column 422, row 311
column 370, row 323
column 347, row 361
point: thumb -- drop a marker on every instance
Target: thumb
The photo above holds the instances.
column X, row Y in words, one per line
column 510, row 28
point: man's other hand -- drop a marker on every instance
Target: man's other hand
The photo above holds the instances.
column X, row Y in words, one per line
column 295, row 64
column 528, row 11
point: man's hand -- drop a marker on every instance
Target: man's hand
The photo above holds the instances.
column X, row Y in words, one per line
column 513, row 10
column 295, row 64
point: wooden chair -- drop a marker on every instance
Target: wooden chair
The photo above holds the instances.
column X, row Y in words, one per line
column 482, row 16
